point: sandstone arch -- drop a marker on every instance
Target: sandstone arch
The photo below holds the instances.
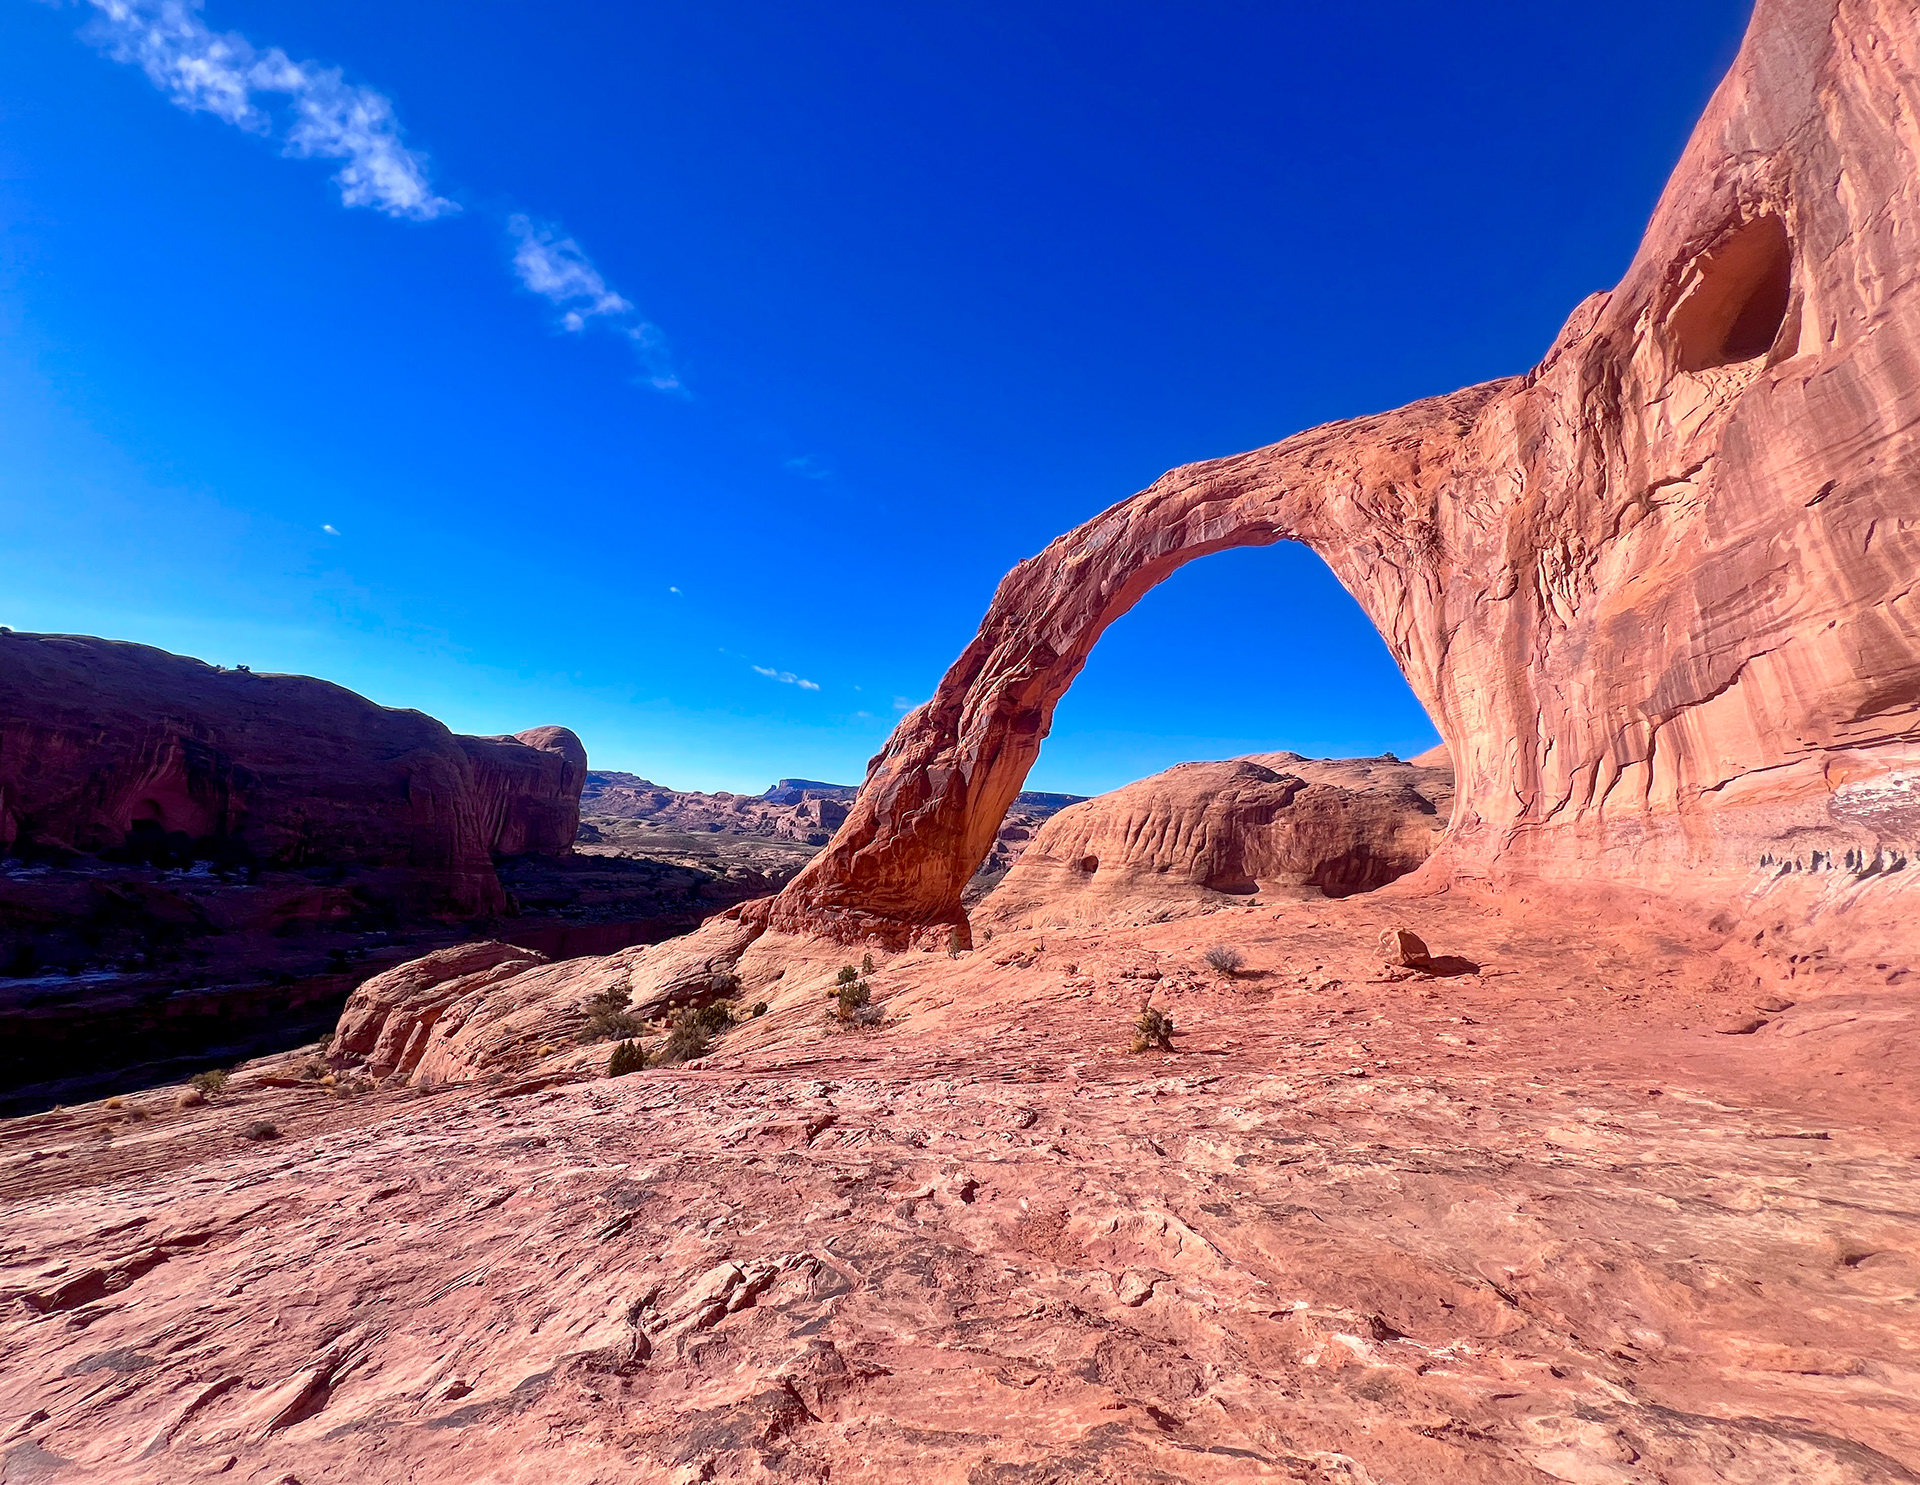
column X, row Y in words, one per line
column 1657, row 594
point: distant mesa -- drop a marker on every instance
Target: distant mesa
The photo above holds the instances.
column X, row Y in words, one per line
column 804, row 811
column 122, row 750
column 792, row 791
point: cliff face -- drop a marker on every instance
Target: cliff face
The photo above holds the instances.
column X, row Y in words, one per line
column 111, row 747
column 1199, row 835
column 527, row 790
column 1657, row 593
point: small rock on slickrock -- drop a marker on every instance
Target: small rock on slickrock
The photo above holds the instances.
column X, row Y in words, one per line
column 1405, row 949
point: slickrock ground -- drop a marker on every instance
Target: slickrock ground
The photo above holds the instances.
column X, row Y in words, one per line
column 1557, row 1220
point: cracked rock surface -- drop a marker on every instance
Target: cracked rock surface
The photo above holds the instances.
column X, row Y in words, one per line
column 1541, row 1222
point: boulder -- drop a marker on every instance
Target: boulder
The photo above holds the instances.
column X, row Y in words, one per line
column 1201, row 835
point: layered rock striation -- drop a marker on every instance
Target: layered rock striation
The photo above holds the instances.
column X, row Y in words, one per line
column 1201, row 835
column 1656, row 593
column 116, row 748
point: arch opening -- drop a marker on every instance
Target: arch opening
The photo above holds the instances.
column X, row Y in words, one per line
column 1246, row 651
column 1733, row 304
column 1242, row 731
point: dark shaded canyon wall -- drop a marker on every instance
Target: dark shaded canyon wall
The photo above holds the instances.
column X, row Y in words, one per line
column 1658, row 593
column 100, row 739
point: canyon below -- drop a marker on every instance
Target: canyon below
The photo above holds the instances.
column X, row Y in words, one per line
column 1541, row 1108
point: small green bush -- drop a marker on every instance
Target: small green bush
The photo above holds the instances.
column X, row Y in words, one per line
column 866, row 964
column 609, row 1020
column 209, row 1082
column 848, row 974
column 628, row 1057
column 688, row 1037
column 853, row 997
column 262, row 1129
column 759, row 1008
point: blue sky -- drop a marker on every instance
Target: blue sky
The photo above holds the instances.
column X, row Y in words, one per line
column 690, row 374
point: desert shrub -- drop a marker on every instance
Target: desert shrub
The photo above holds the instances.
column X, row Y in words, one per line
column 725, row 982
column 866, row 964
column 1151, row 1029
column 628, row 1057
column 847, row 976
column 688, row 1037
column 954, row 943
column 262, row 1129
column 1226, row 961
column 759, row 1008
column 209, row 1082
column 854, row 996
column 609, row 1020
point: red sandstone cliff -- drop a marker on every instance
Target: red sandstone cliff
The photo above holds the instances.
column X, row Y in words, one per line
column 1657, row 593
column 103, row 743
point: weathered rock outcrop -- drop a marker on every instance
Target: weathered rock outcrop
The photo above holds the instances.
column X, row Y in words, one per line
column 527, row 790
column 1191, row 838
column 107, row 746
column 1657, row 593
column 481, row 1008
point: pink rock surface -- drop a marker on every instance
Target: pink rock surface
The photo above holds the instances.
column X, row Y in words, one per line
column 1546, row 1222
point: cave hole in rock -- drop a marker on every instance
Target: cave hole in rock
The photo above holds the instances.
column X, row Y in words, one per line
column 1734, row 301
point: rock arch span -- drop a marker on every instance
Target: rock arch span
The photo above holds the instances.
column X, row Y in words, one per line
column 1658, row 594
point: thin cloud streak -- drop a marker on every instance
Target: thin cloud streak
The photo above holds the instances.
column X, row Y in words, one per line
column 553, row 266
column 787, row 678
column 223, row 73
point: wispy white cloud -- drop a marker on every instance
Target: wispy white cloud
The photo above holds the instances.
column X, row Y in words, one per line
column 809, row 468
column 330, row 531
column 326, row 117
column 787, row 678
column 224, row 74
column 672, row 589
column 901, row 704
column 553, row 266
